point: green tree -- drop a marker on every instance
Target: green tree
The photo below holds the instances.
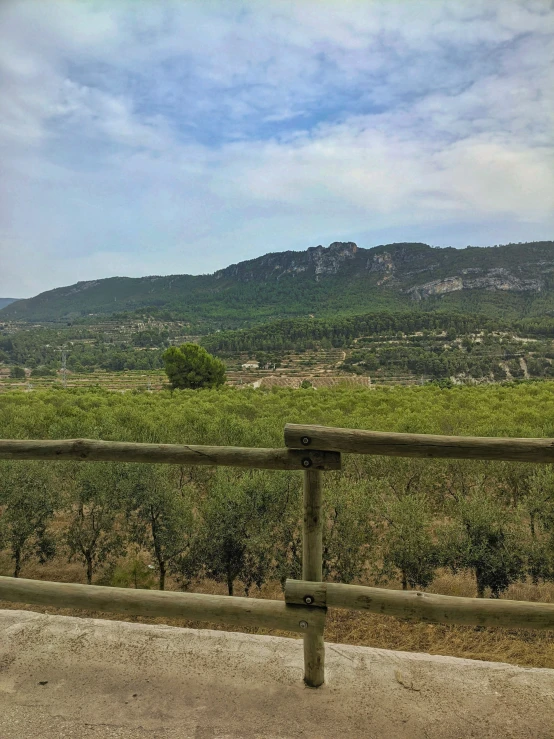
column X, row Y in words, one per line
column 93, row 508
column 408, row 546
column 538, row 502
column 17, row 373
column 538, row 508
column 236, row 539
column 191, row 366
column 27, row 504
column 348, row 535
column 486, row 538
column 160, row 517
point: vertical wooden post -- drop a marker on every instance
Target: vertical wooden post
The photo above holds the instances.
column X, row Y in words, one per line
column 312, row 570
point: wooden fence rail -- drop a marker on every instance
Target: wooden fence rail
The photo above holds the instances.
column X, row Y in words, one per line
column 90, row 450
column 427, row 607
column 313, row 449
column 269, row 614
column 354, row 441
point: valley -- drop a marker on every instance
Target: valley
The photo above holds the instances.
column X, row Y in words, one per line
column 368, row 350
column 396, row 314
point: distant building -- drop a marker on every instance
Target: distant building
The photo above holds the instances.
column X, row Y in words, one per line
column 251, row 365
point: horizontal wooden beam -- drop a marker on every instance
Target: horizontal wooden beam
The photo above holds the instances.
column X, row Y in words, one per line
column 90, row 450
column 427, row 607
column 267, row 614
column 299, row 436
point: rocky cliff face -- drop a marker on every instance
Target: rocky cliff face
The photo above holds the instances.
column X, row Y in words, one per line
column 495, row 279
column 383, row 265
column 397, row 266
column 329, row 261
column 318, row 260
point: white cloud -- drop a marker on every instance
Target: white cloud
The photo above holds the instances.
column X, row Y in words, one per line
column 183, row 137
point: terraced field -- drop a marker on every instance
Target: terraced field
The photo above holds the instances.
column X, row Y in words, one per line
column 122, row 381
column 126, row 356
column 320, row 369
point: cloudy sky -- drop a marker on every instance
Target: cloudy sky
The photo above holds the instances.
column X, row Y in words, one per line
column 144, row 137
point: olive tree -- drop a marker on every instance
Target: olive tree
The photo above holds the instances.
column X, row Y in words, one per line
column 407, row 544
column 287, row 562
column 237, row 534
column 93, row 509
column 486, row 538
column 159, row 516
column 27, row 506
column 348, row 534
column 538, row 508
column 538, row 502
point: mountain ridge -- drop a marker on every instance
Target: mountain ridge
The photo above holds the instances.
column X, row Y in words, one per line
column 4, row 302
column 342, row 277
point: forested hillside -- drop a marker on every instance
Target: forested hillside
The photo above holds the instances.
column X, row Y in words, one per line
column 403, row 346
column 400, row 313
column 307, row 333
column 510, row 281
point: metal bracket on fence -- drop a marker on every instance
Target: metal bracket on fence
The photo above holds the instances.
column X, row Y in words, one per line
column 296, row 593
column 418, row 606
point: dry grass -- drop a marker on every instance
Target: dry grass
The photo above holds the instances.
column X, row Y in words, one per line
column 525, row 648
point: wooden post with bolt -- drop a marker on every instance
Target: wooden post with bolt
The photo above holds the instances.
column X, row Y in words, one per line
column 312, row 569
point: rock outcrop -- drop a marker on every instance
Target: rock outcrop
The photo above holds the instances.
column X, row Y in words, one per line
column 495, row 279
column 319, row 260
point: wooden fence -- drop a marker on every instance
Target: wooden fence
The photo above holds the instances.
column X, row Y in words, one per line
column 313, row 449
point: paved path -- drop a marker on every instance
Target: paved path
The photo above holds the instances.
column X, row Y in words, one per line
column 72, row 678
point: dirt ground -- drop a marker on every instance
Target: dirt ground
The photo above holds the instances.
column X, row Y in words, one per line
column 67, row 678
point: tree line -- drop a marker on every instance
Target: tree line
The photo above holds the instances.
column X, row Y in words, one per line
column 309, row 333
column 87, row 349
column 401, row 521
column 90, row 348
column 488, row 355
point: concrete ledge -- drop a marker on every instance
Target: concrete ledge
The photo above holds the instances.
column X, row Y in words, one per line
column 67, row 678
